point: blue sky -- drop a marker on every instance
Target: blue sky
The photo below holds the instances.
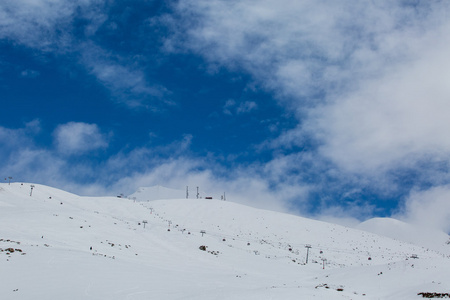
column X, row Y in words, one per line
column 335, row 110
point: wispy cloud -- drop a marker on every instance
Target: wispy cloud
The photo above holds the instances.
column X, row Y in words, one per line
column 231, row 107
column 245, row 186
column 29, row 73
column 428, row 208
column 23, row 158
column 53, row 27
column 12, row 139
column 366, row 81
column 366, row 84
column 40, row 24
column 395, row 119
column 258, row 185
column 76, row 138
column 124, row 78
column 298, row 49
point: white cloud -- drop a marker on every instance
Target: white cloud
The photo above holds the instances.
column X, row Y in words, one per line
column 395, row 120
column 231, row 107
column 301, row 48
column 428, row 208
column 229, row 104
column 23, row 160
column 125, row 80
column 257, row 185
column 11, row 139
column 366, row 80
column 349, row 217
column 246, row 107
column 48, row 26
column 76, row 138
column 41, row 24
column 244, row 186
column 29, row 73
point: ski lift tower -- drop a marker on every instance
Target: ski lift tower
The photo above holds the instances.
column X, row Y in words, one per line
column 323, row 263
column 307, row 251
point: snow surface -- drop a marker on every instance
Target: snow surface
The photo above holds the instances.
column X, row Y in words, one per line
column 250, row 253
column 396, row 229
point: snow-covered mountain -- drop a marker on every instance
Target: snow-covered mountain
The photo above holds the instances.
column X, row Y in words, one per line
column 396, row 229
column 57, row 245
column 145, row 194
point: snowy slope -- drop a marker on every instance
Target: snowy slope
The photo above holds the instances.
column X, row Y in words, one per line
column 249, row 254
column 426, row 237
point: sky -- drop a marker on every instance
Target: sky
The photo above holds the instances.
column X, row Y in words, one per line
column 329, row 109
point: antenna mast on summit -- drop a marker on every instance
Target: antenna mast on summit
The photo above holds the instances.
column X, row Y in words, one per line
column 187, row 192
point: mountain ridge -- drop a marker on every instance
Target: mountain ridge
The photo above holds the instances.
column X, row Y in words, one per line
column 116, row 248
